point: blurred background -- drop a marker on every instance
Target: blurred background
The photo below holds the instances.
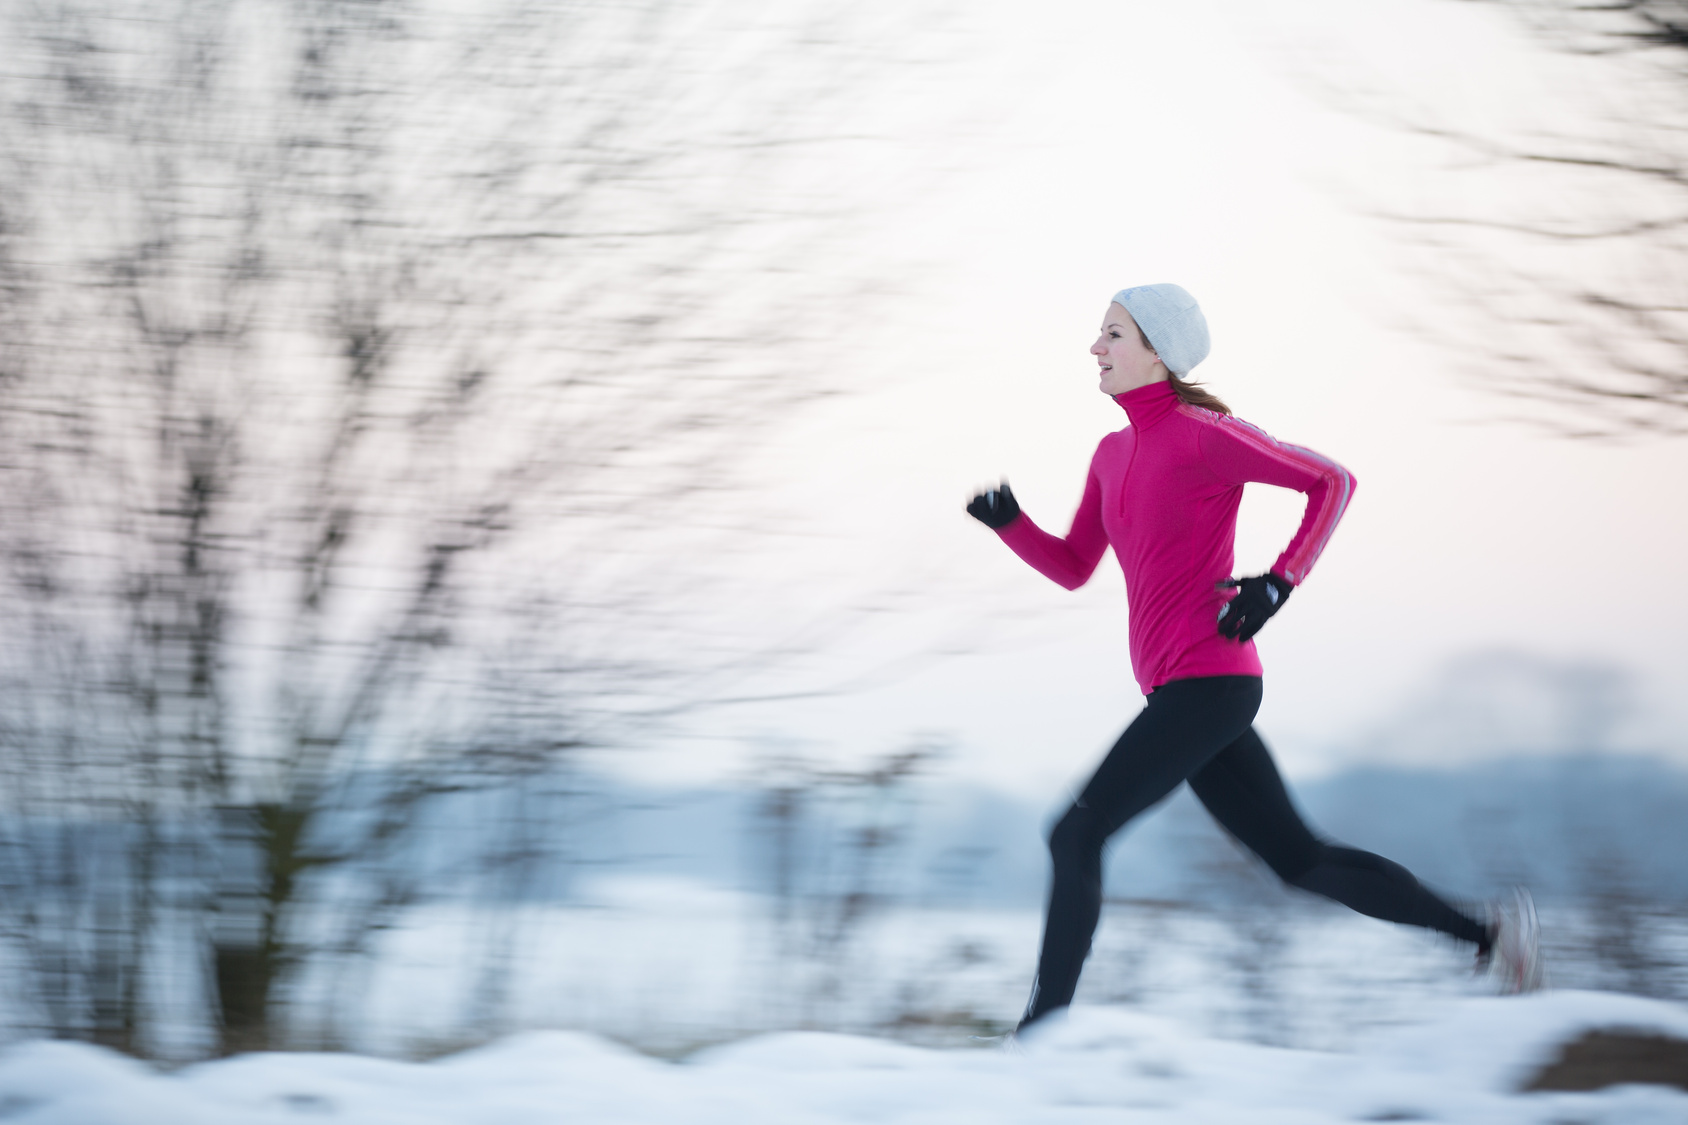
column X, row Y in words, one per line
column 483, row 542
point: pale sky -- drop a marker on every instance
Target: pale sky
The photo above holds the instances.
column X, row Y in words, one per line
column 1129, row 142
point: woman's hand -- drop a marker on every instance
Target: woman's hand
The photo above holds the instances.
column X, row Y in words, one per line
column 995, row 509
column 1257, row 599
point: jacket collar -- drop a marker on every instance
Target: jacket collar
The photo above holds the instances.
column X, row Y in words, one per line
column 1148, row 404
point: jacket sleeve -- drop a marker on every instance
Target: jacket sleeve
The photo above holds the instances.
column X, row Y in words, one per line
column 1071, row 561
column 1238, row 453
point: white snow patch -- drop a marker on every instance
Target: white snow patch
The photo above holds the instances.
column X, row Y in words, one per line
column 1095, row 1064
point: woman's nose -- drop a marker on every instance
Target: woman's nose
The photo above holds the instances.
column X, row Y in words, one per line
column 1098, row 349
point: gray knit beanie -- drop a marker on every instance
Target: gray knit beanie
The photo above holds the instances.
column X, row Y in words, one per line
column 1172, row 321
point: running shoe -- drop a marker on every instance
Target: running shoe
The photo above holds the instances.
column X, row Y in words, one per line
column 1515, row 962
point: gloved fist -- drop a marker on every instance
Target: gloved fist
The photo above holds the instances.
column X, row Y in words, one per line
column 996, row 508
column 1257, row 599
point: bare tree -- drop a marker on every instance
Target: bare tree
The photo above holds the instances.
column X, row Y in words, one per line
column 356, row 356
column 829, row 839
column 1568, row 274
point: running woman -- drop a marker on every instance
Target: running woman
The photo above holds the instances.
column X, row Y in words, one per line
column 1163, row 493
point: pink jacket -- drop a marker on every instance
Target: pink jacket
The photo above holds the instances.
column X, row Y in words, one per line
column 1163, row 492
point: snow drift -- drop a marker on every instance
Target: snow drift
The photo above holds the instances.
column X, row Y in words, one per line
column 1096, row 1064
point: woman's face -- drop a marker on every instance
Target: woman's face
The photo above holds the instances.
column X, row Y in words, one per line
column 1127, row 362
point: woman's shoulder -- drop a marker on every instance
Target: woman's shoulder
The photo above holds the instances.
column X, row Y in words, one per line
column 1115, row 440
column 1114, row 448
column 1222, row 426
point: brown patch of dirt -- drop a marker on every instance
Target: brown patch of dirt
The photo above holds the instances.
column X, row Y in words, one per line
column 1614, row 1056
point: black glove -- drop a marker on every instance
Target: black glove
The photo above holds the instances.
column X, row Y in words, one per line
column 995, row 509
column 1257, row 599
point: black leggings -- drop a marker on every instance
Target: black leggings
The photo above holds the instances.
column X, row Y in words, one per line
column 1199, row 731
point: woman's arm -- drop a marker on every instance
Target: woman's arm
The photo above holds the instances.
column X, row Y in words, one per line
column 1071, row 561
column 1238, row 453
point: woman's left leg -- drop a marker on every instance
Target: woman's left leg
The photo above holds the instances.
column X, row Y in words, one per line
column 1183, row 725
column 1241, row 787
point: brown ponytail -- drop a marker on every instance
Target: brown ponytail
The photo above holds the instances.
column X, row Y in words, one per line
column 1188, row 393
column 1193, row 395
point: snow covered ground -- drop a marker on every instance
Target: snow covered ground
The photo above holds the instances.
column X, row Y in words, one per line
column 1273, row 1011
column 1100, row 1065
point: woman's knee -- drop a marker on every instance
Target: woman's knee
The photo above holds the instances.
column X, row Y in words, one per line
column 1077, row 837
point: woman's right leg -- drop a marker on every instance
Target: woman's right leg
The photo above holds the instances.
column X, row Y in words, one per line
column 1241, row 787
column 1185, row 724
